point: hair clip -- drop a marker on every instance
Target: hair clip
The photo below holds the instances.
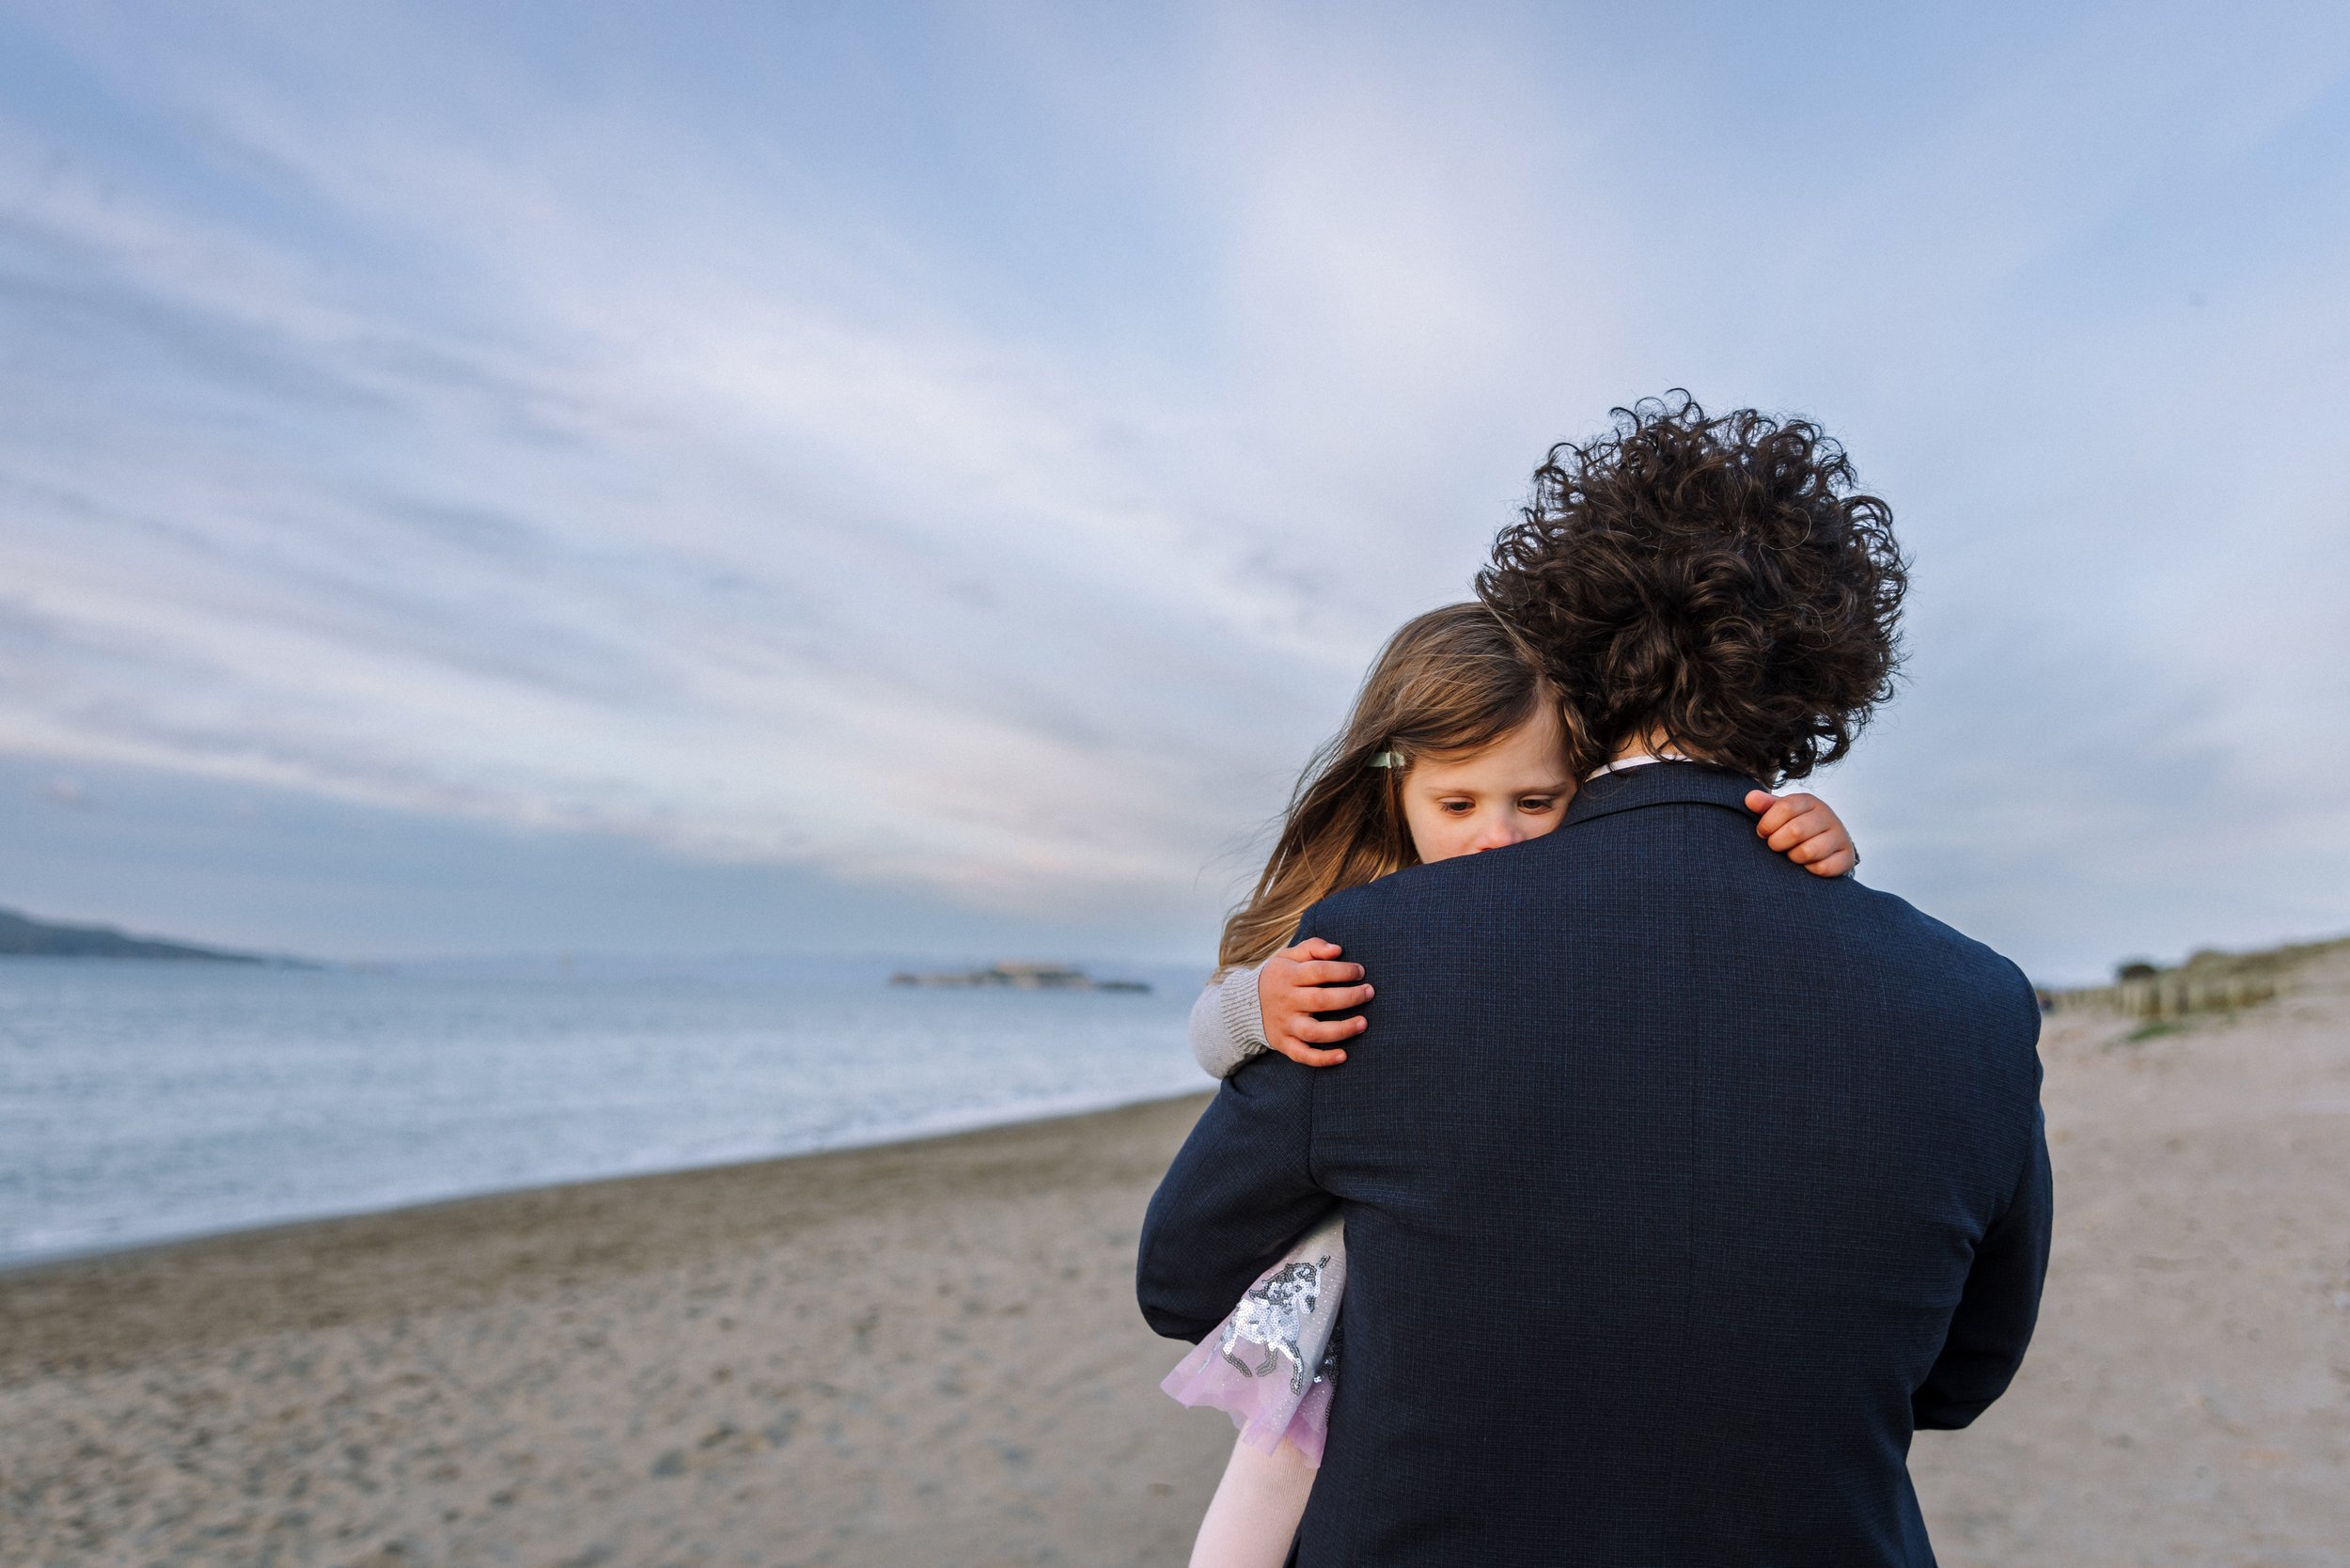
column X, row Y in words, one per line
column 1386, row 759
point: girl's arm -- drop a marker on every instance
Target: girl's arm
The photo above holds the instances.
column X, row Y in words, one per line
column 1254, row 1515
column 1228, row 1021
column 1297, row 982
column 1227, row 1027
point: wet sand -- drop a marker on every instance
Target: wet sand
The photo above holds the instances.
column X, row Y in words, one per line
column 928, row 1355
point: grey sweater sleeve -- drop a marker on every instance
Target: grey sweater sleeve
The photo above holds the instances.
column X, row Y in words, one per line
column 1227, row 1028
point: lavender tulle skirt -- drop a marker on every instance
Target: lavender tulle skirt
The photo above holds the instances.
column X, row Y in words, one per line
column 1270, row 1365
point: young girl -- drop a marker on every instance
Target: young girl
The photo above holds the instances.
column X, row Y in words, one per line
column 1455, row 746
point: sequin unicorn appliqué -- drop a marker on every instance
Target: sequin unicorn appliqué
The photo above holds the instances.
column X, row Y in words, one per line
column 1272, row 1316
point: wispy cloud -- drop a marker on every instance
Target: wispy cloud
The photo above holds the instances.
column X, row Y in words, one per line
column 984, row 465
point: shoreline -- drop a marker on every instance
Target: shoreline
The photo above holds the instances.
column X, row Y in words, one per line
column 843, row 1357
column 924, row 1129
column 841, row 1178
column 928, row 1351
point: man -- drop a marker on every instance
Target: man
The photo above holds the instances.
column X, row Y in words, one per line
column 1680, row 1185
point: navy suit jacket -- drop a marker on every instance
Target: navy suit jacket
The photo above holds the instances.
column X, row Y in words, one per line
column 1680, row 1187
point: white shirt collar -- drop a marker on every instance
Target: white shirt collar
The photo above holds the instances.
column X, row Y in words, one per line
column 1638, row 760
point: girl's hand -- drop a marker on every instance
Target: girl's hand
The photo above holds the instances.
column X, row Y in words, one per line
column 1802, row 828
column 1297, row 982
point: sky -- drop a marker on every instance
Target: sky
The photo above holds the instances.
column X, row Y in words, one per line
column 923, row 479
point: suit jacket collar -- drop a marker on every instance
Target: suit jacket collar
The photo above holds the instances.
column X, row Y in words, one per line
column 1660, row 784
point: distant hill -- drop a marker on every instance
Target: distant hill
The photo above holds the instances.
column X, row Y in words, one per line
column 24, row 937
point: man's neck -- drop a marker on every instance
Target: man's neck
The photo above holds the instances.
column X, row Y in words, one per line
column 1630, row 760
column 1641, row 751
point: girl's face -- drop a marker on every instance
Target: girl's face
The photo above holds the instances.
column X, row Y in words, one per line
column 1514, row 790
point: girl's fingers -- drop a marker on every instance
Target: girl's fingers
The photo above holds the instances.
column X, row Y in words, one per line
column 1802, row 828
column 1325, row 999
column 1298, row 1051
column 1819, row 837
column 1775, row 811
column 1813, row 852
column 1830, row 855
column 1326, row 974
column 1321, row 1031
column 1809, row 825
column 1313, row 947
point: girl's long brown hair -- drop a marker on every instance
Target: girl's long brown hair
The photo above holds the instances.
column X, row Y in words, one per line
column 1449, row 681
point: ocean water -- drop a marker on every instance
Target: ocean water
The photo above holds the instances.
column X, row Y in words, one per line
column 143, row 1102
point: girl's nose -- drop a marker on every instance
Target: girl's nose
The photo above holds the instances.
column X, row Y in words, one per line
column 1500, row 835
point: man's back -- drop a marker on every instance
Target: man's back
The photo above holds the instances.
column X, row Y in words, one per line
column 1666, row 1166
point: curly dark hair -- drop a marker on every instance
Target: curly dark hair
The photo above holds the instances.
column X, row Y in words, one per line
column 1719, row 580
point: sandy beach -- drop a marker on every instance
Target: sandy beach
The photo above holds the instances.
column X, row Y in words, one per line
column 928, row 1355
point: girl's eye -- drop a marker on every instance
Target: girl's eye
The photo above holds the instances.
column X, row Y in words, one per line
column 1458, row 807
column 1536, row 804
